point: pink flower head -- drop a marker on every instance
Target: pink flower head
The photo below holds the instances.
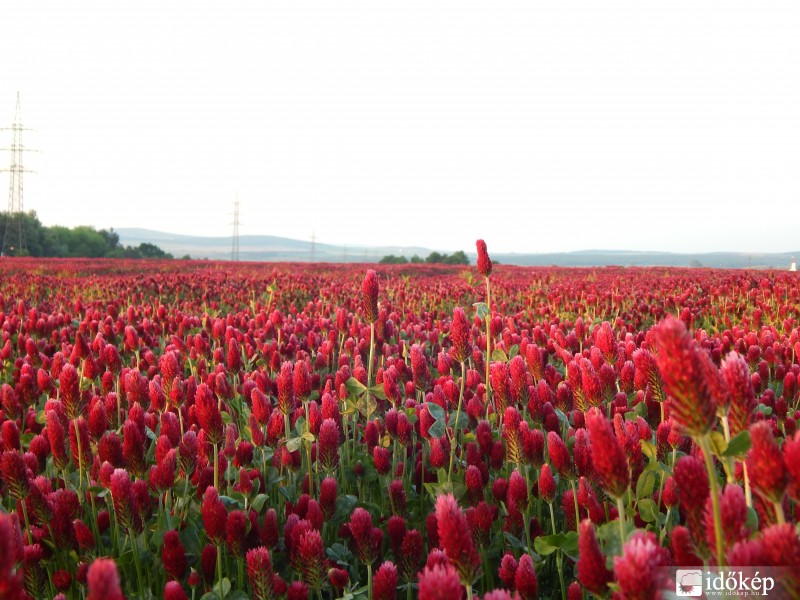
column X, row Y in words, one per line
column 384, row 584
column 439, row 582
column 455, row 539
column 103, row 581
column 484, row 262
column 686, row 379
column 525, row 578
column 173, row 555
column 637, row 571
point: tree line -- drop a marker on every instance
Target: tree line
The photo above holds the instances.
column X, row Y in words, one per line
column 64, row 242
column 456, row 258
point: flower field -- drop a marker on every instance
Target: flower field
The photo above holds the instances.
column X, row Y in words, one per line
column 237, row 430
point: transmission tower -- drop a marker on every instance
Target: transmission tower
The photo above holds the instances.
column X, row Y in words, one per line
column 235, row 243
column 14, row 236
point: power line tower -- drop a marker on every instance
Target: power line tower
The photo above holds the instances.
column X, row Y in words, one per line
column 14, row 236
column 235, row 242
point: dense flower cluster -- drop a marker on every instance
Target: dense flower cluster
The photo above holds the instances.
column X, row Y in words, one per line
column 220, row 428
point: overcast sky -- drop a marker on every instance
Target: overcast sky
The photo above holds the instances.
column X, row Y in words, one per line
column 538, row 126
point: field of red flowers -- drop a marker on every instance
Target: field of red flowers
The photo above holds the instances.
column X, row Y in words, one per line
column 210, row 430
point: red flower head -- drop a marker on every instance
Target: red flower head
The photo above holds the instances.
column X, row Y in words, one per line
column 733, row 511
column 691, row 478
column 455, row 538
column 384, row 584
column 439, row 582
column 311, row 556
column 525, row 578
column 208, row 415
column 369, row 294
column 286, row 388
column 103, row 581
column 70, row 392
column 508, row 570
column 559, row 455
column 236, row 530
column 637, row 570
column 328, row 445
column 591, row 568
column 361, row 529
column 609, row 461
column 685, row 372
column 297, row 590
column 736, row 374
column 173, row 555
column 215, row 517
column 765, row 463
column 683, row 548
column 15, row 474
column 460, row 335
column 259, row 571
column 484, row 262
column 547, row 484
column 410, row 554
column 174, row 591
column 338, row 578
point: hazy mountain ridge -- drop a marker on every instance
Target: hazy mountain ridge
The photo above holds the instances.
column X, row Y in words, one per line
column 275, row 248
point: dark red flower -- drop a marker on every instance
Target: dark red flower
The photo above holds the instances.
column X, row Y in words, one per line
column 484, row 262
column 591, row 568
column 547, row 484
column 460, row 335
column 609, row 461
column 215, row 516
column 369, row 296
column 173, row 555
column 765, row 463
column 259, row 572
column 208, row 414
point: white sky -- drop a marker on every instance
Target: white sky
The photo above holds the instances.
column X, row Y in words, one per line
column 538, row 126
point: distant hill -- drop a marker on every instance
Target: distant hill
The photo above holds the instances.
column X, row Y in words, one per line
column 273, row 248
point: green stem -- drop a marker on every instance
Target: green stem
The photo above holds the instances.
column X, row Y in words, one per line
column 138, row 566
column 455, row 428
column 27, row 523
column 488, row 340
column 621, row 521
column 559, row 564
column 369, row 580
column 703, row 442
column 369, row 367
column 216, row 468
column 80, row 457
column 219, row 569
column 781, row 518
column 575, row 502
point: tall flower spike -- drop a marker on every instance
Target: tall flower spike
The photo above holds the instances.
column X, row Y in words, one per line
column 369, row 292
column 259, row 571
column 455, row 538
column 459, row 335
column 591, row 568
column 609, row 461
column 765, row 463
column 484, row 262
column 685, row 377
